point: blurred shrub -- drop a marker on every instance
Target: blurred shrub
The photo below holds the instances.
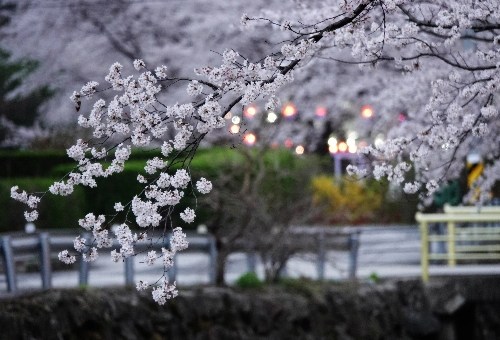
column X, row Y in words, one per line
column 350, row 201
column 249, row 280
column 346, row 200
column 301, row 285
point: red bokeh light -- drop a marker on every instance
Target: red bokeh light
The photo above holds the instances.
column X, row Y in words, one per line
column 321, row 111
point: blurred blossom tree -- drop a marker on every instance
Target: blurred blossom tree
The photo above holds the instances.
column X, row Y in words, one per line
column 436, row 61
column 18, row 109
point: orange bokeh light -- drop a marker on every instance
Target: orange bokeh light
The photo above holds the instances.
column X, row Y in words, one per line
column 367, row 112
column 333, row 148
column 343, row 147
column 321, row 111
column 234, row 129
column 250, row 111
column 249, row 139
column 289, row 110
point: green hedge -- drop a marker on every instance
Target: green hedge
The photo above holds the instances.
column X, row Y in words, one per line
column 55, row 211
column 63, row 212
column 124, row 186
column 22, row 163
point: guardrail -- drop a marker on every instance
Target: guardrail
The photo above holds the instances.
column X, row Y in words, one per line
column 13, row 248
column 480, row 241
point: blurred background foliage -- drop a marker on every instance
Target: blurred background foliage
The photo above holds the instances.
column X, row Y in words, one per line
column 345, row 200
column 348, row 201
column 287, row 180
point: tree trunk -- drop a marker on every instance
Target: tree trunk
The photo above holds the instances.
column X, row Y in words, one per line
column 220, row 264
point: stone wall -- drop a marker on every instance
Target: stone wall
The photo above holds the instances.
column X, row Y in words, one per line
column 393, row 310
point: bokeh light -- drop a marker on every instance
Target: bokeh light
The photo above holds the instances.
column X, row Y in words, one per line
column 250, row 111
column 289, row 110
column 271, row 117
column 367, row 112
column 234, row 129
column 321, row 111
column 299, row 150
column 249, row 139
column 333, row 149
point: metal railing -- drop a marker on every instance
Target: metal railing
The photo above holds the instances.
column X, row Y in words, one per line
column 471, row 234
column 16, row 248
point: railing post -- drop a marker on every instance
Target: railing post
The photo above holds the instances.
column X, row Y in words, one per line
column 353, row 254
column 251, row 261
column 451, row 244
column 320, row 260
column 83, row 277
column 424, row 251
column 213, row 259
column 284, row 270
column 9, row 264
column 172, row 271
column 129, row 270
column 46, row 269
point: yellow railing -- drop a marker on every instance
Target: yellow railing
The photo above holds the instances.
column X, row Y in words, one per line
column 470, row 234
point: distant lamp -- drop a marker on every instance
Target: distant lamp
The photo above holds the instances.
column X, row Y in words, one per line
column 332, row 141
column 333, row 149
column 299, row 150
column 321, row 111
column 343, row 146
column 289, row 111
column 367, row 111
column 249, row 139
column 289, row 143
column 271, row 117
column 234, row 129
column 250, row 111
column 379, row 140
column 236, row 120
